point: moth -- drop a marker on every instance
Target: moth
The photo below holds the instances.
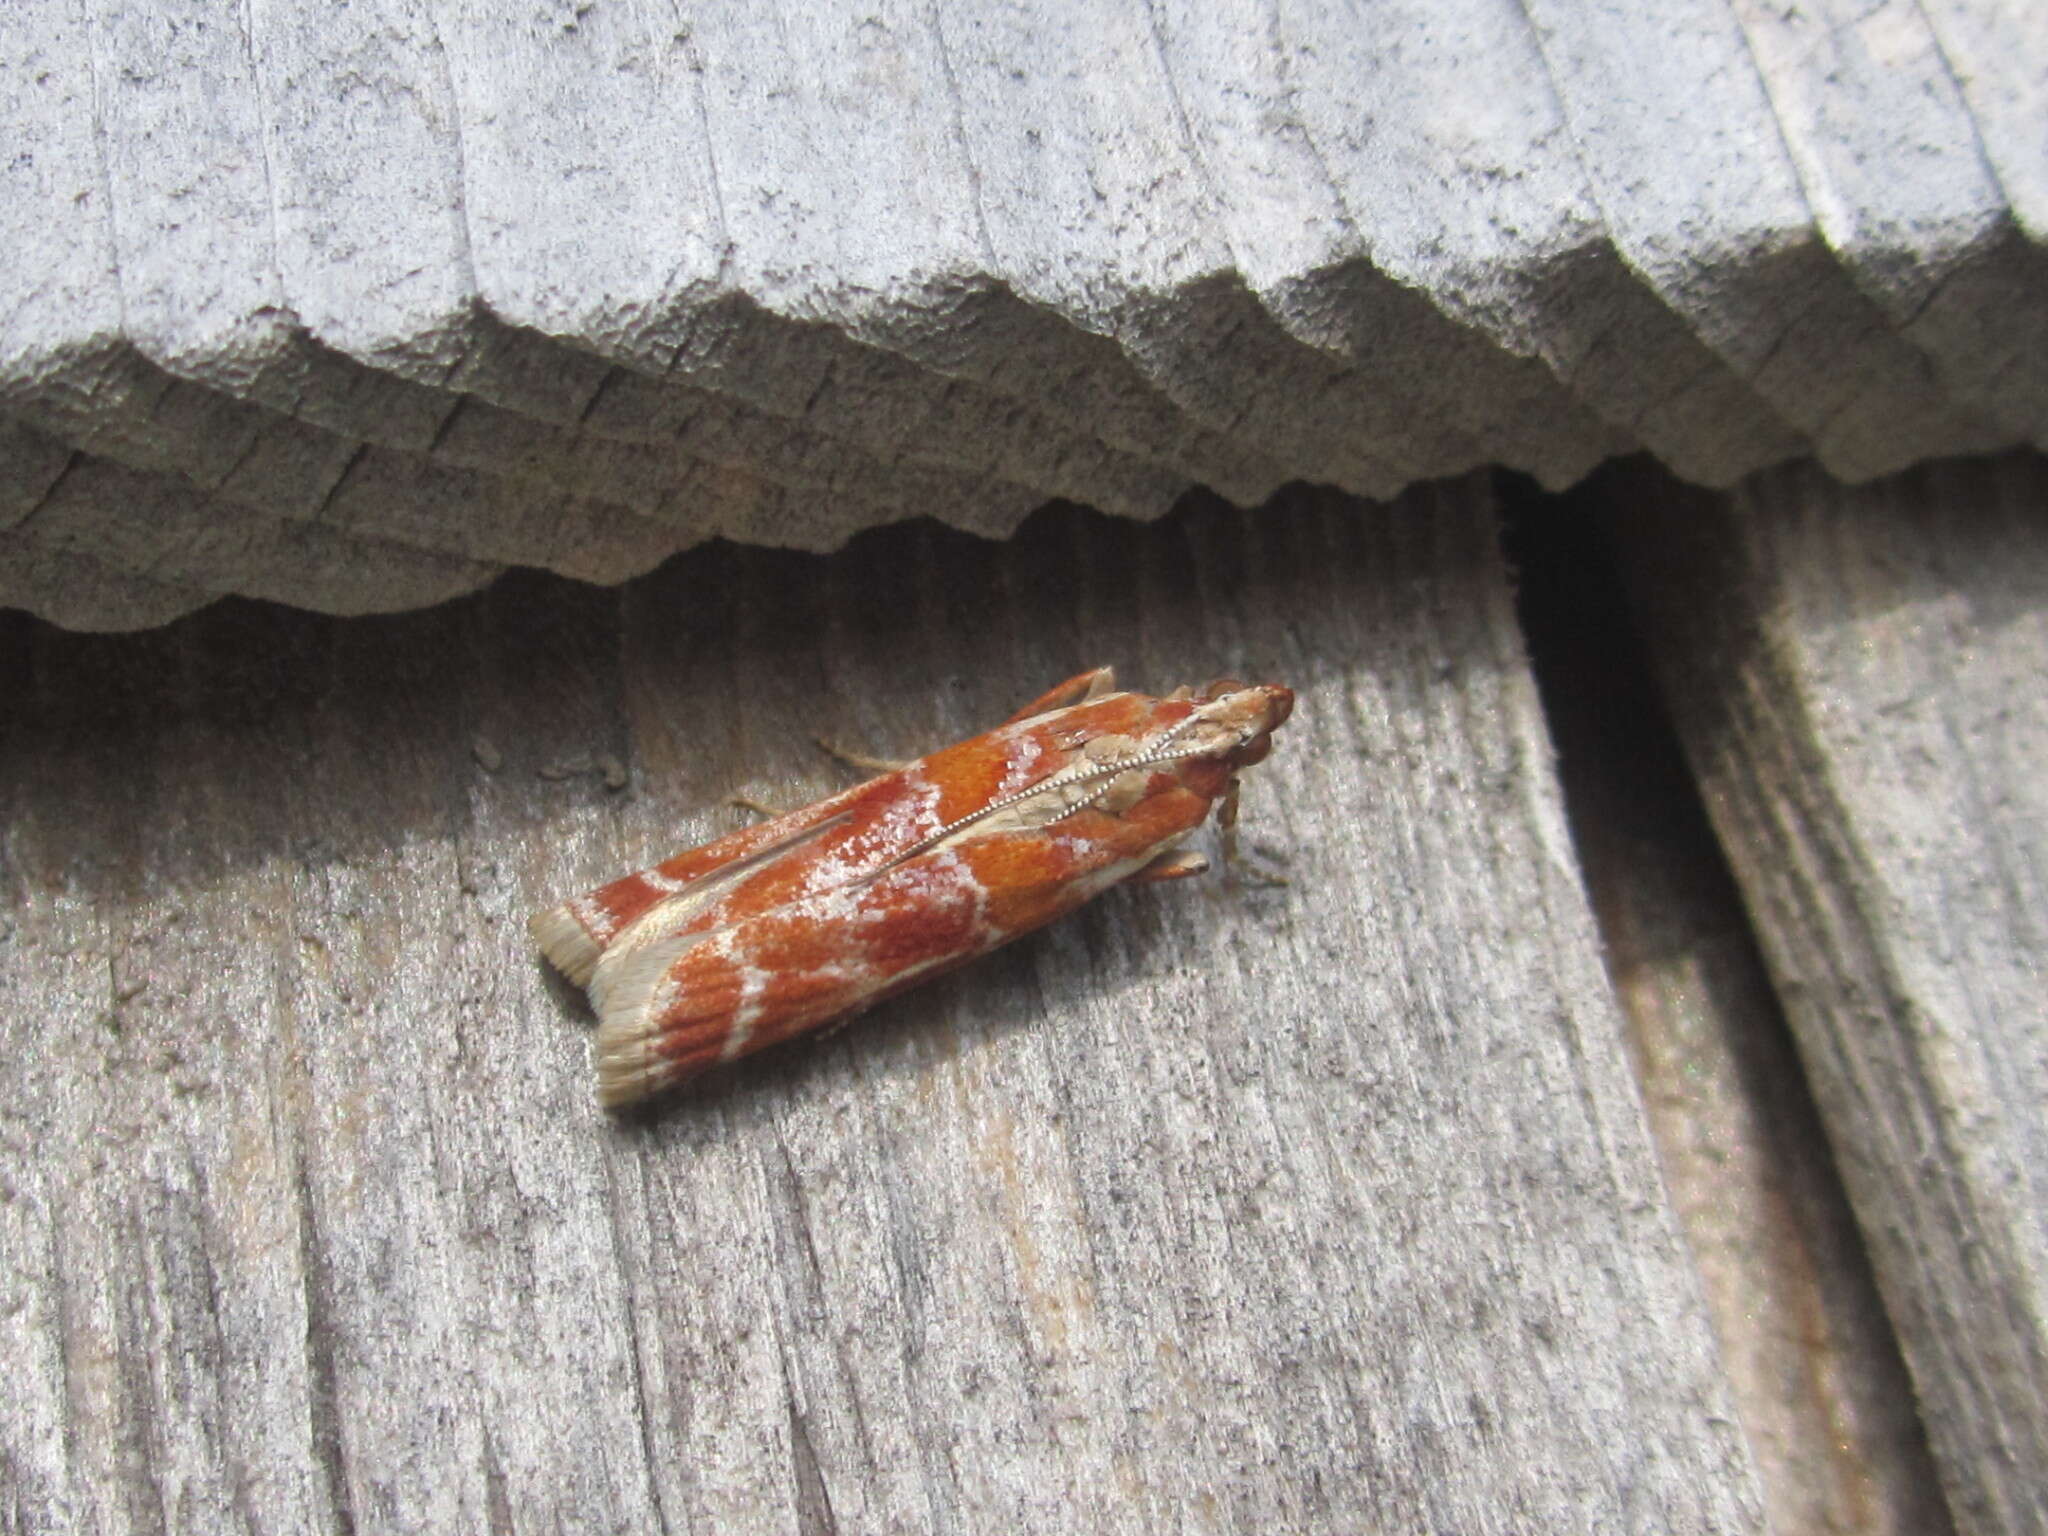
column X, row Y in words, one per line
column 816, row 915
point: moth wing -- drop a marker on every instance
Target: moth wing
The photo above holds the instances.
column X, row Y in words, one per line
column 628, row 1067
column 678, row 1006
column 672, row 912
column 1174, row 864
column 682, row 1003
column 568, row 946
column 1079, row 689
column 565, row 938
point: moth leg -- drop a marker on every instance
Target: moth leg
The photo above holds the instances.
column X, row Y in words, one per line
column 1177, row 865
column 862, row 761
column 758, row 807
column 1092, row 684
column 1233, row 861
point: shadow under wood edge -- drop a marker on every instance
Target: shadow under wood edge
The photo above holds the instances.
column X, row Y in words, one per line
column 251, row 733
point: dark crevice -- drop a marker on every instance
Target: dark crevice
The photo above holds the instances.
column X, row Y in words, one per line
column 323, row 1406
column 1811, row 1356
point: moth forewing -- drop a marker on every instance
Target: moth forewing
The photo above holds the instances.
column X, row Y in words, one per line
column 1099, row 682
column 675, row 912
column 726, row 949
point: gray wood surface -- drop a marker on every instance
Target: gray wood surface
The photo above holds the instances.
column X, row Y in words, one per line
column 1812, row 1362
column 1858, row 679
column 1302, row 1208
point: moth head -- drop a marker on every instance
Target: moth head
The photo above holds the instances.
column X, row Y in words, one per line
column 1235, row 721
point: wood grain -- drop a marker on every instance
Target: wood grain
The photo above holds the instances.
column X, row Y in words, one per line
column 1857, row 677
column 574, row 286
column 1814, row 1367
column 1325, row 1206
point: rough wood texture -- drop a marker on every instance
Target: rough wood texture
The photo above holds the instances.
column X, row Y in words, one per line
column 1317, row 1207
column 1811, row 1359
column 1857, row 676
column 354, row 305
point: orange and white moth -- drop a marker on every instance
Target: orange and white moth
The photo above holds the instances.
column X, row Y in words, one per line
column 789, row 925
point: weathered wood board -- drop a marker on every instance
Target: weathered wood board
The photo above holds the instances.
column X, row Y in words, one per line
column 1304, row 1208
column 1810, row 1354
column 353, row 306
column 1858, row 677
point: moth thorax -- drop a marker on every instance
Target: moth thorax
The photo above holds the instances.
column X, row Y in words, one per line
column 1111, row 748
column 1034, row 808
column 1123, row 792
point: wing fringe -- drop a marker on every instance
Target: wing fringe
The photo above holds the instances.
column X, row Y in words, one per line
column 566, row 942
column 629, row 1068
